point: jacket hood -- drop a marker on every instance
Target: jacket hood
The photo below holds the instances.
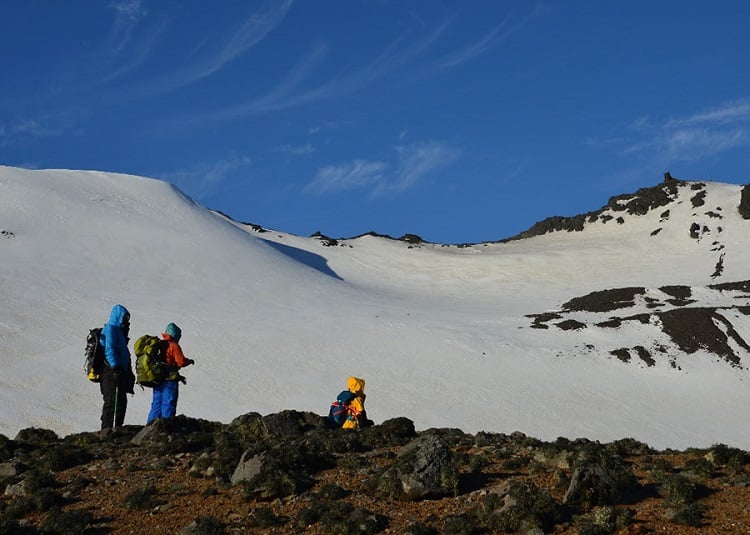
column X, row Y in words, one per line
column 356, row 385
column 118, row 314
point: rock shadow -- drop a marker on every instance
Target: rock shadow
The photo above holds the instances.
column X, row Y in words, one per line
column 312, row 260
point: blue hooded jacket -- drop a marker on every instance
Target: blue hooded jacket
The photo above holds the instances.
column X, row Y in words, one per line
column 114, row 340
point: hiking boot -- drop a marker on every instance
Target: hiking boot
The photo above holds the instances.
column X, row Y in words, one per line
column 104, row 433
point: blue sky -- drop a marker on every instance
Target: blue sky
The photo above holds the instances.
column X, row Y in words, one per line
column 457, row 121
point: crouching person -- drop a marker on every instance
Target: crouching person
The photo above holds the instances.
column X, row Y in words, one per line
column 357, row 415
column 164, row 401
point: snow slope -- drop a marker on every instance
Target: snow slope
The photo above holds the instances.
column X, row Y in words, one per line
column 442, row 334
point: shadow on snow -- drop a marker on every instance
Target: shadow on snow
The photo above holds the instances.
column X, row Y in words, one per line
column 305, row 257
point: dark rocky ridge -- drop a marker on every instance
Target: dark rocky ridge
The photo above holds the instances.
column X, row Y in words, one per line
column 641, row 202
column 178, row 476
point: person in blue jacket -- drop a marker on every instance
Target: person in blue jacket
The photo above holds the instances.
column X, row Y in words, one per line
column 117, row 377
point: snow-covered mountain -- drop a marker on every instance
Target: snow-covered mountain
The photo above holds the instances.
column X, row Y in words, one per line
column 630, row 321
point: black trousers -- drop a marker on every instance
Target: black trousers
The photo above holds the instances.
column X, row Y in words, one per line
column 114, row 392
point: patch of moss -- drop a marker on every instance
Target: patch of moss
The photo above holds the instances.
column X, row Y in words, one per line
column 58, row 522
column 263, row 517
column 142, row 499
column 527, row 507
column 207, row 525
column 604, row 521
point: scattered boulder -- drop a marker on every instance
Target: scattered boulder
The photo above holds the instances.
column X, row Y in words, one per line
column 180, row 434
column 6, row 447
column 411, row 238
column 393, row 432
column 11, row 468
column 290, row 423
column 599, row 478
column 423, row 469
column 36, row 437
column 250, row 466
column 518, row 507
column 325, row 240
column 249, row 427
column 17, row 489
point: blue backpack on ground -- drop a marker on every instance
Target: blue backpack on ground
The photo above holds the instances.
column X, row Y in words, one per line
column 340, row 408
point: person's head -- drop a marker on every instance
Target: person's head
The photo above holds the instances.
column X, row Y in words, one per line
column 356, row 385
column 120, row 316
column 174, row 332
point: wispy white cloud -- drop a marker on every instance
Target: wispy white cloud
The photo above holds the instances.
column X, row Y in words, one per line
column 209, row 57
column 726, row 113
column 494, row 37
column 351, row 175
column 283, row 95
column 120, row 59
column 252, row 31
column 297, row 150
column 693, row 137
column 641, row 123
column 689, row 144
column 328, row 125
column 288, row 92
column 412, row 164
column 129, row 42
column 129, row 9
column 402, row 52
column 127, row 15
column 417, row 161
column 604, row 142
column 205, row 178
column 32, row 128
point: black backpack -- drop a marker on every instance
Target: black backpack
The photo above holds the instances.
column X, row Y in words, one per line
column 94, row 353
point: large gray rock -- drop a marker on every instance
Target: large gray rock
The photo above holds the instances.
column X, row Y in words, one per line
column 11, row 468
column 18, row 489
column 600, row 481
column 248, row 467
column 424, row 468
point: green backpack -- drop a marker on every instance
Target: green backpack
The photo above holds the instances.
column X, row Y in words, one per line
column 150, row 366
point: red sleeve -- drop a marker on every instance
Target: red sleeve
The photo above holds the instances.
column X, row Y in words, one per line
column 175, row 356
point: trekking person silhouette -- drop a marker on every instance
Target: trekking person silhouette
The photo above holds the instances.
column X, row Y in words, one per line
column 117, row 378
column 164, row 400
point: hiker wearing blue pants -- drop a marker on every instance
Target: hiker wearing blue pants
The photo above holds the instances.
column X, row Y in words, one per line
column 164, row 401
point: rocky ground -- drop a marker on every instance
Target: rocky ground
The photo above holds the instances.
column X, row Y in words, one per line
column 288, row 473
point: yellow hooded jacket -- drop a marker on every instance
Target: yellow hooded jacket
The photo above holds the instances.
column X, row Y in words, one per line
column 356, row 406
